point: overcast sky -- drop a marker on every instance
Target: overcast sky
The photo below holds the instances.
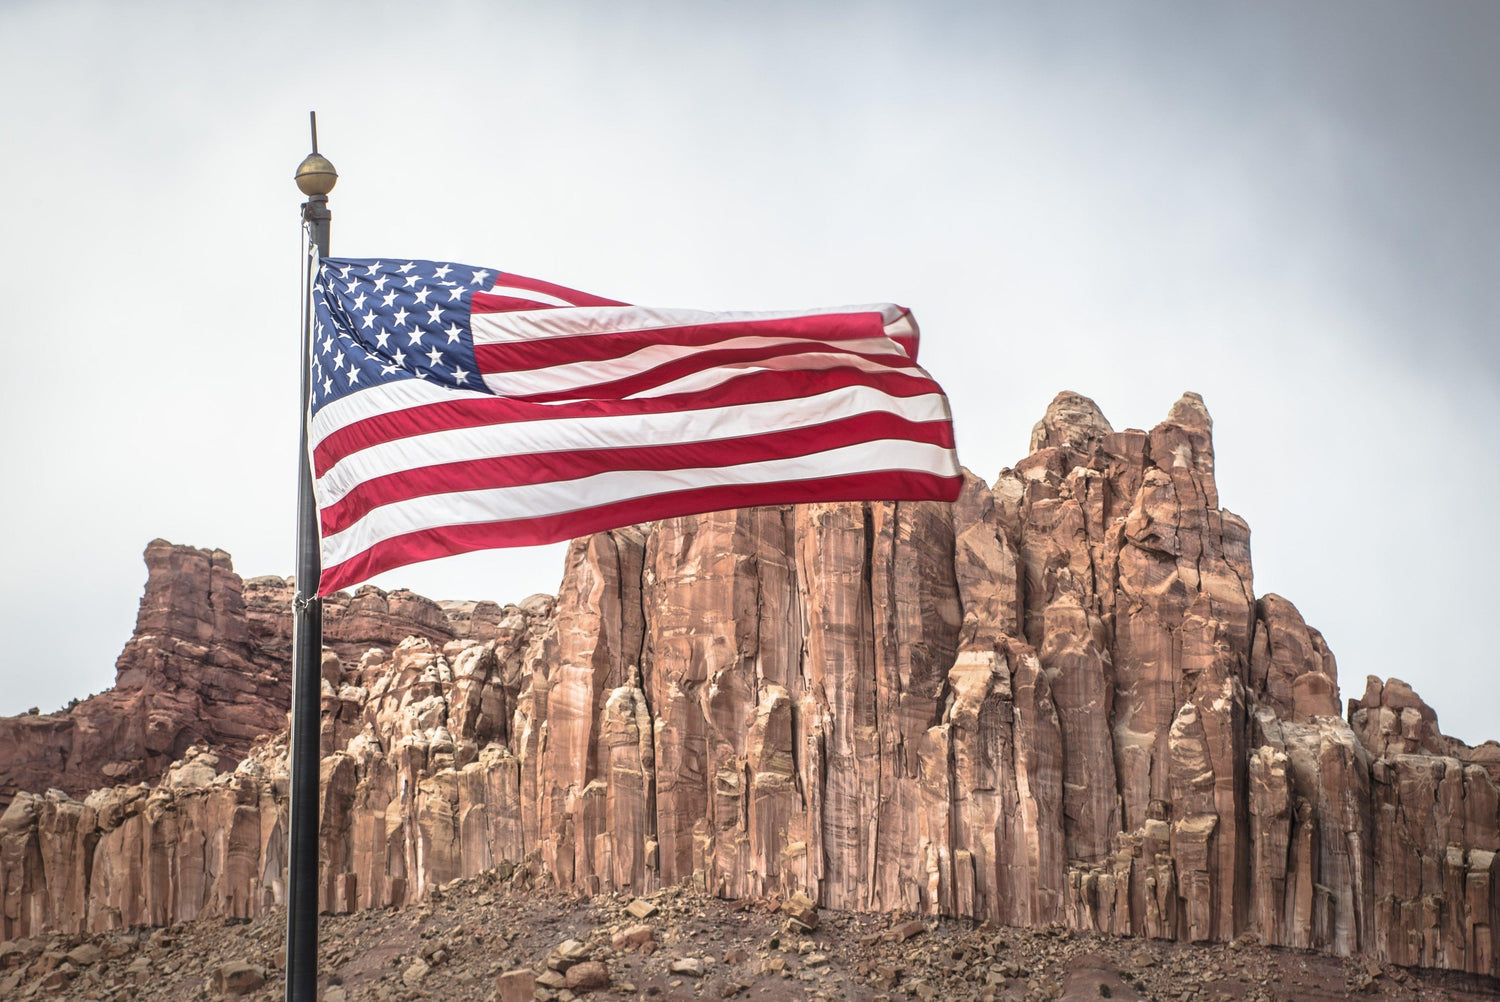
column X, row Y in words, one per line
column 1290, row 208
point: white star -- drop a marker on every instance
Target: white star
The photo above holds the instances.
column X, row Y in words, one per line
column 416, row 338
column 453, row 333
column 423, row 293
column 399, row 357
column 389, row 298
column 359, row 302
column 435, row 356
column 328, row 385
column 373, row 269
column 386, row 370
column 480, row 276
column 443, row 271
column 338, row 361
column 328, row 344
column 380, row 282
column 460, row 376
column 345, row 270
column 435, row 315
column 381, row 336
column 421, row 374
column 353, row 374
column 412, row 280
column 323, row 269
column 408, row 266
column 457, row 292
column 369, row 319
column 401, row 316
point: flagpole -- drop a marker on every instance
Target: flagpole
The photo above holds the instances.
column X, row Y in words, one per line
column 315, row 178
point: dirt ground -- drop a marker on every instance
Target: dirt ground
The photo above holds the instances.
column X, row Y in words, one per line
column 678, row 945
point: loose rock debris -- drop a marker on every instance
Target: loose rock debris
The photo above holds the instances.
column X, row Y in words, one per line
column 482, row 940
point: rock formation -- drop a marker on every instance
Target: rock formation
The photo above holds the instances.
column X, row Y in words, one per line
column 190, row 672
column 208, row 664
column 1058, row 700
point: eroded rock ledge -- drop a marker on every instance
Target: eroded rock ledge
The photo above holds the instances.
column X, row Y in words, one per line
column 1058, row 700
column 208, row 664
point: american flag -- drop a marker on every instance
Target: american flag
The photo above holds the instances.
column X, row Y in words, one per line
column 457, row 408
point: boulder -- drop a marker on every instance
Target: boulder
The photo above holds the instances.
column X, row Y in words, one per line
column 238, row 977
column 517, row 986
column 587, row 976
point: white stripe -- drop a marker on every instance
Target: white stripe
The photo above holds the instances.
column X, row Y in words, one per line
column 516, row 292
column 522, row 438
column 528, row 325
column 592, row 373
column 811, row 360
column 385, row 398
column 559, row 497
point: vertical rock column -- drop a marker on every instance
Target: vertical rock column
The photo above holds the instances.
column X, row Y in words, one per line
column 838, row 732
column 917, row 619
column 720, row 604
column 599, row 632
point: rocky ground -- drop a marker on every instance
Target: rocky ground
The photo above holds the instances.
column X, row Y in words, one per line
column 485, row 939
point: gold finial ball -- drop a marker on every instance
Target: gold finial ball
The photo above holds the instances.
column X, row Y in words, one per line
column 315, row 175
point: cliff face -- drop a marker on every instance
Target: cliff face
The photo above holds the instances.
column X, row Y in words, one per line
column 1057, row 700
column 208, row 664
column 191, row 672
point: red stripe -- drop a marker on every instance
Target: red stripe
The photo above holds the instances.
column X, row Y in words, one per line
column 505, row 304
column 750, row 388
column 699, row 361
column 560, row 291
column 541, row 352
column 429, row 544
column 536, row 468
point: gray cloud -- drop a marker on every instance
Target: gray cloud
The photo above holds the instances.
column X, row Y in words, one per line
column 1287, row 207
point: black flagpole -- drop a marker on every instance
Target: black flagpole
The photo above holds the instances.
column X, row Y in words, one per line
column 315, row 178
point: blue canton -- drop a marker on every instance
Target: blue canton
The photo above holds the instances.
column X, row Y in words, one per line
column 378, row 321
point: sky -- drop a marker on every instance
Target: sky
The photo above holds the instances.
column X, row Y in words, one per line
column 1289, row 207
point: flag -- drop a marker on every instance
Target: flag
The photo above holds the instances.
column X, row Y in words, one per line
column 458, row 408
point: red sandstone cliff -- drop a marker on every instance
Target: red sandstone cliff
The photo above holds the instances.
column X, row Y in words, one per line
column 191, row 672
column 208, row 664
column 1057, row 700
